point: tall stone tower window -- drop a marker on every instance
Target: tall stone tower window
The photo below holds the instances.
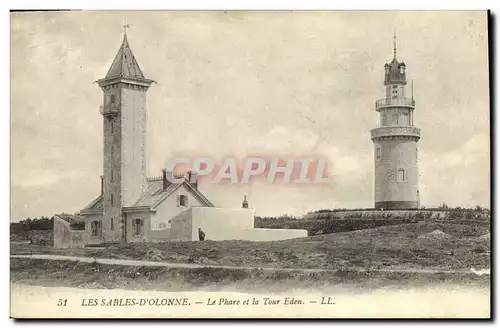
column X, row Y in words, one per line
column 401, row 176
column 112, row 99
column 378, row 154
column 112, row 200
column 112, row 224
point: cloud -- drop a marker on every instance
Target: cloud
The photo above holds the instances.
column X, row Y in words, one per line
column 244, row 84
column 460, row 176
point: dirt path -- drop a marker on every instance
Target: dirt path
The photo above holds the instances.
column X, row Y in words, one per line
column 195, row 266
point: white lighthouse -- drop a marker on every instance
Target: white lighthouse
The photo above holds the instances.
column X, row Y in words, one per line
column 395, row 143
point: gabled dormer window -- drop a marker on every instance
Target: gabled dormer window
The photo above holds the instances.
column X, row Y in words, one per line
column 183, row 201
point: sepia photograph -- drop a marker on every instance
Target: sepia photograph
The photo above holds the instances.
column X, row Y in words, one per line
column 250, row 164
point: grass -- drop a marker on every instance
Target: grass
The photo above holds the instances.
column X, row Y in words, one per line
column 396, row 246
column 93, row 275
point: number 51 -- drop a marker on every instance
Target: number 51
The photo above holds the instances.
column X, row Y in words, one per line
column 62, row 302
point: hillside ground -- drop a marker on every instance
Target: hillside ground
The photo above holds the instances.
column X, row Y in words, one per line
column 398, row 246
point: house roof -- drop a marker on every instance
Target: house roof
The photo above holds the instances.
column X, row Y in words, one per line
column 125, row 64
column 153, row 196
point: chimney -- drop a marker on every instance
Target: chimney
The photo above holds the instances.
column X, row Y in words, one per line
column 102, row 185
column 165, row 181
column 193, row 179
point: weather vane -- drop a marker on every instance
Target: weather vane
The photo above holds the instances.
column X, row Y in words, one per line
column 394, row 43
column 125, row 27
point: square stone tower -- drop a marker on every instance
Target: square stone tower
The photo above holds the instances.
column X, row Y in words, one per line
column 124, row 122
column 395, row 141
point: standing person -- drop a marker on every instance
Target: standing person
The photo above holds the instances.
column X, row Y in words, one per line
column 201, row 234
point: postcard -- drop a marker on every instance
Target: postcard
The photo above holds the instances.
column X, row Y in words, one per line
column 250, row 164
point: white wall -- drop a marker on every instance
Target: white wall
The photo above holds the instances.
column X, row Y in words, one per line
column 169, row 208
column 225, row 224
column 221, row 223
column 158, row 236
column 181, row 227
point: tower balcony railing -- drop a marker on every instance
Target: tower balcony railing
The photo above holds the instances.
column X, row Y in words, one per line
column 395, row 131
column 394, row 102
column 109, row 109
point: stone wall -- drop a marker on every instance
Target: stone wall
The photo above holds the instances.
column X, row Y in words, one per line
column 375, row 214
column 65, row 237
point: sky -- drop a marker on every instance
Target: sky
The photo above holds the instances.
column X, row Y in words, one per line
column 237, row 84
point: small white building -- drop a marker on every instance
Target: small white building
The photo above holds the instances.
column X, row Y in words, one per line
column 153, row 211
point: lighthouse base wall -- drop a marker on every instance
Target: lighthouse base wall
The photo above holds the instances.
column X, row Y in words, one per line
column 396, row 174
column 396, row 205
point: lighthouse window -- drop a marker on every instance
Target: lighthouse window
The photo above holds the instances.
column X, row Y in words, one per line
column 401, row 177
column 404, row 119
column 394, row 119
